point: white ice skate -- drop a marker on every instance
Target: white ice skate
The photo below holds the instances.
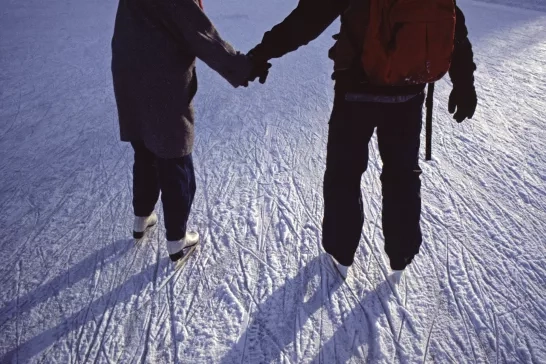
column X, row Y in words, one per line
column 395, row 280
column 342, row 269
column 141, row 224
column 179, row 248
column 396, row 276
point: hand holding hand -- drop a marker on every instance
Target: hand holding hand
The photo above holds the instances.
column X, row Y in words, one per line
column 260, row 67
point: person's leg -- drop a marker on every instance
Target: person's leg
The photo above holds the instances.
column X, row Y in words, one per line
column 145, row 181
column 177, row 182
column 351, row 127
column 399, row 137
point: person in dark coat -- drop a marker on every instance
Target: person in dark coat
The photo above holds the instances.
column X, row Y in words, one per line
column 154, row 48
column 359, row 108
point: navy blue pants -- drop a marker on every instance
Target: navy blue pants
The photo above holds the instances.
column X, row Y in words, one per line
column 352, row 125
column 174, row 178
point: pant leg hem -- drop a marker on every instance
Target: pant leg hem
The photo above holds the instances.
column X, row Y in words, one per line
column 343, row 260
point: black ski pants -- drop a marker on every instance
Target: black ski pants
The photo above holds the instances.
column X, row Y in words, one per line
column 398, row 132
column 174, row 178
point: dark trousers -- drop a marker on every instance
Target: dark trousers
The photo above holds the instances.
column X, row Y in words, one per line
column 398, row 131
column 174, row 178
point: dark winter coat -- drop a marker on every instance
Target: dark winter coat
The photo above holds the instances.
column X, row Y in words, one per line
column 154, row 48
column 312, row 17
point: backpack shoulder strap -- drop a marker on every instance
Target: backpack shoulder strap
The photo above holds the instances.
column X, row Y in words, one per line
column 351, row 34
column 430, row 108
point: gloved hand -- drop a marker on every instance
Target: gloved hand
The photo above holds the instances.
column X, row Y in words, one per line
column 463, row 100
column 260, row 67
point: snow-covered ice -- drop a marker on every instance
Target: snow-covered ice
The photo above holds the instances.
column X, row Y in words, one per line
column 76, row 289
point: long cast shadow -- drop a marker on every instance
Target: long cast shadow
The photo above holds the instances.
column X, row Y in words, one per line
column 277, row 321
column 84, row 269
column 94, row 311
column 360, row 327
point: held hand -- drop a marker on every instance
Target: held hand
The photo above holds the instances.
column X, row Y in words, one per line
column 260, row 67
column 463, row 101
column 239, row 70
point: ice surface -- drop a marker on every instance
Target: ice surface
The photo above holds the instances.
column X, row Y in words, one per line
column 76, row 289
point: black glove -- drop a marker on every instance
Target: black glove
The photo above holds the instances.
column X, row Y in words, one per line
column 464, row 100
column 260, row 67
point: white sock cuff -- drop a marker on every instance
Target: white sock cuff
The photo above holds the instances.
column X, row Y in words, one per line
column 175, row 246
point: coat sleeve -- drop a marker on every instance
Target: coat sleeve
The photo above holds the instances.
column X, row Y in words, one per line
column 462, row 65
column 304, row 24
column 187, row 22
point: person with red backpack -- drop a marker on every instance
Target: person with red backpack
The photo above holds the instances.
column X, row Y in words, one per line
column 385, row 54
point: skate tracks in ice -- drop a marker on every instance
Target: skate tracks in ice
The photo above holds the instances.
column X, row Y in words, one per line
column 76, row 289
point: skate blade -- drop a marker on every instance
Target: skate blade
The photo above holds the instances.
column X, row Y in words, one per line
column 187, row 253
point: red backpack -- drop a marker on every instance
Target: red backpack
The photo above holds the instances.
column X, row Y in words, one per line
column 408, row 41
